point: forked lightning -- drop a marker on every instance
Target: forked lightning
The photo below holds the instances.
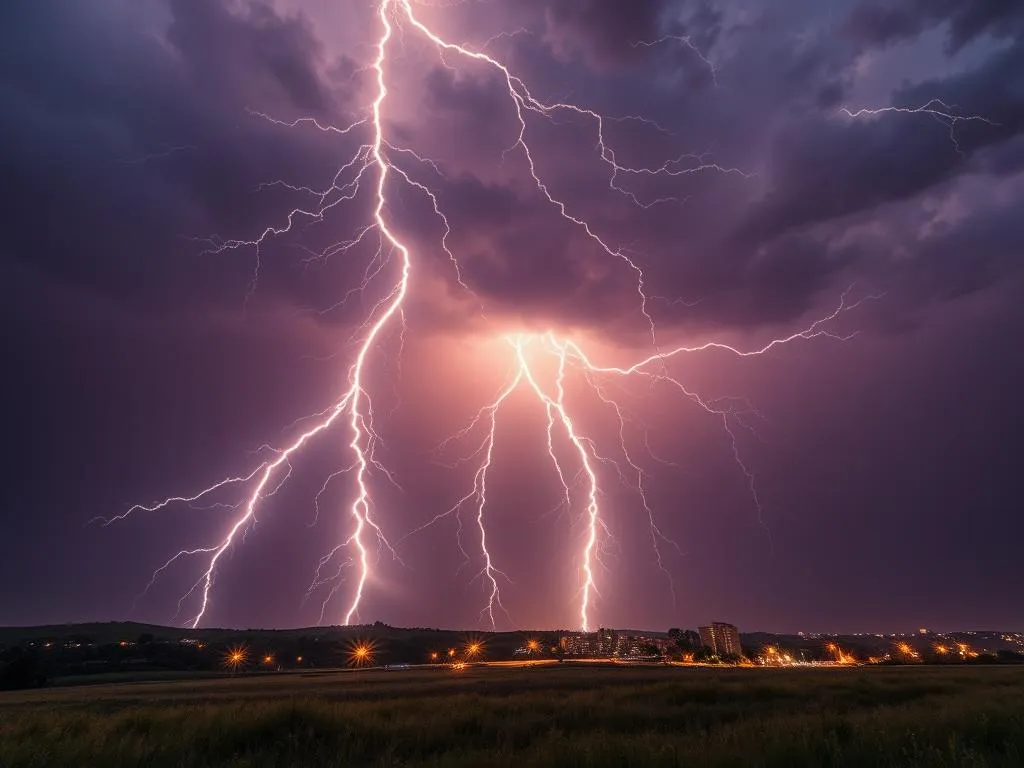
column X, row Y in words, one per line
column 373, row 170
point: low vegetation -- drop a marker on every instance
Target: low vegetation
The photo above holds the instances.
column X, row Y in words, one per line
column 553, row 715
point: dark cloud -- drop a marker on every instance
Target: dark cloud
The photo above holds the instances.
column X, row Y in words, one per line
column 968, row 256
column 780, row 281
column 252, row 55
column 140, row 366
column 491, row 206
column 475, row 110
column 604, row 31
column 837, row 166
column 561, row 276
column 880, row 24
column 121, row 147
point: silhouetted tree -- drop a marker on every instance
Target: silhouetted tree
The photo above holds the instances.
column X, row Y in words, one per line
column 20, row 670
column 690, row 640
column 686, row 640
column 704, row 654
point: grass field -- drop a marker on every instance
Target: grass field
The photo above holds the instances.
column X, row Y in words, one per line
column 560, row 715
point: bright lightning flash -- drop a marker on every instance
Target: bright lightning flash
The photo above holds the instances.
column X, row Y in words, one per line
column 569, row 354
column 374, row 169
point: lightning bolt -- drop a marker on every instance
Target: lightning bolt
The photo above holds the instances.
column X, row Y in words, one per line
column 685, row 40
column 556, row 407
column 373, row 170
column 354, row 405
column 944, row 113
column 568, row 353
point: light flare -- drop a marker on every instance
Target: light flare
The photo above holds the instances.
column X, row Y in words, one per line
column 236, row 657
column 361, row 653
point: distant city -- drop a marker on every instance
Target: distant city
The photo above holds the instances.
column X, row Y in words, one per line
column 721, row 643
column 718, row 640
column 33, row 656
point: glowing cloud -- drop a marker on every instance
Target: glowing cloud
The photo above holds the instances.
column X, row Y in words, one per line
column 374, row 170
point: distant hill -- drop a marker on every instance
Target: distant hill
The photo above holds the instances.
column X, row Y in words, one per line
column 503, row 642
column 102, row 633
column 132, row 650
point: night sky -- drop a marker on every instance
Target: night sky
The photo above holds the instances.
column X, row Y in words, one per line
column 141, row 361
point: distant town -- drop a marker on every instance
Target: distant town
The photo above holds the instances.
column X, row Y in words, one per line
column 38, row 656
column 721, row 643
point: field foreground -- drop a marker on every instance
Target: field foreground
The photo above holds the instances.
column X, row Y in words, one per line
column 562, row 715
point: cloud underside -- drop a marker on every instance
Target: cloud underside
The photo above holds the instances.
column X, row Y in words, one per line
column 128, row 147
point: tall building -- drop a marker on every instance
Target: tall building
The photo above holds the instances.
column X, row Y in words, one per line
column 723, row 639
column 608, row 643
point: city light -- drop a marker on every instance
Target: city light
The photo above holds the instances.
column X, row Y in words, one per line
column 771, row 656
column 361, row 653
column 236, row 657
column 474, row 648
column 612, row 644
column 965, row 651
column 839, row 656
column 907, row 651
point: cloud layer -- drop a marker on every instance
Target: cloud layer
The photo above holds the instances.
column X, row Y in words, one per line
column 133, row 145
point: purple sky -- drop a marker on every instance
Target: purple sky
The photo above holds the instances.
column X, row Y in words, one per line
column 140, row 365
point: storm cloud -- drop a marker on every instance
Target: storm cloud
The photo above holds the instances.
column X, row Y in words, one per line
column 138, row 138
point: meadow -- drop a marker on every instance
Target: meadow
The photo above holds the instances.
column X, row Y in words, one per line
column 552, row 715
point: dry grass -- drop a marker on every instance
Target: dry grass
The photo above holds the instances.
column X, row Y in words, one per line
column 551, row 716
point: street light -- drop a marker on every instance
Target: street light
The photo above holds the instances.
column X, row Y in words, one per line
column 235, row 658
column 360, row 653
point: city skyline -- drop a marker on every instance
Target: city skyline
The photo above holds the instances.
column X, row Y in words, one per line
column 712, row 312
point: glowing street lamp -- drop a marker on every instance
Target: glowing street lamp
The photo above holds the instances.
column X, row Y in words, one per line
column 360, row 653
column 235, row 658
